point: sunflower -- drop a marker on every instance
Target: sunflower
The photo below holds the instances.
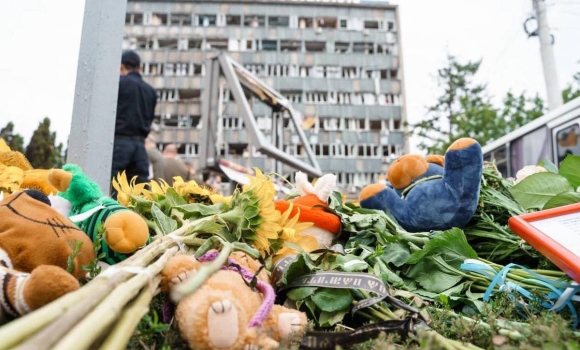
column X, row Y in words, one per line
column 291, row 232
column 37, row 179
column 125, row 189
column 254, row 214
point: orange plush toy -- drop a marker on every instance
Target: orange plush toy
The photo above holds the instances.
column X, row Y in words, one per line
column 35, row 245
column 311, row 205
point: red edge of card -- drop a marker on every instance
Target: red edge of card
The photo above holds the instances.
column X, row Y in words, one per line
column 554, row 251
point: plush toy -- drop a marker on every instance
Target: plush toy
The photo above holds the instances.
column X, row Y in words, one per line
column 225, row 312
column 16, row 173
column 35, row 246
column 437, row 203
column 411, row 168
column 125, row 230
column 311, row 206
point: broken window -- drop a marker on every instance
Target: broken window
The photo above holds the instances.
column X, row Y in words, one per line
column 254, row 21
column 217, row 44
column 169, row 121
column 158, row 19
column 326, row 22
column 181, row 19
column 363, row 47
column 349, row 72
column 315, row 46
column 305, row 22
column 184, row 121
column 128, row 18
column 341, row 46
column 278, row 21
column 137, row 18
column 167, row 43
column 371, row 24
column 189, row 94
column 269, row 45
column 194, row 44
column 206, row 20
column 233, row 20
column 333, row 72
column 290, row 45
column 390, row 25
column 375, row 125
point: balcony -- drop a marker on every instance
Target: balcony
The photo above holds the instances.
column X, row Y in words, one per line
column 282, row 33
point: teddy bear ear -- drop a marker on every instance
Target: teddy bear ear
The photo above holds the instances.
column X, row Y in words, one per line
column 302, row 185
column 324, row 186
column 435, row 159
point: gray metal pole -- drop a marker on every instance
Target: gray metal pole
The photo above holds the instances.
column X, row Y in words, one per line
column 93, row 120
column 548, row 60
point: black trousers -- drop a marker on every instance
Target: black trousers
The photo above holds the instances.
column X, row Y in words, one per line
column 129, row 155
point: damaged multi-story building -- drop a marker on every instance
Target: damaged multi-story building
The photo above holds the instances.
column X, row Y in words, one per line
column 338, row 62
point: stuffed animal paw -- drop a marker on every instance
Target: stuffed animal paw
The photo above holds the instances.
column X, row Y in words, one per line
column 22, row 293
column 125, row 231
column 226, row 313
column 427, row 197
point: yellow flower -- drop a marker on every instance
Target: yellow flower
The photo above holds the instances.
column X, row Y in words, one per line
column 125, row 189
column 291, row 232
column 159, row 187
column 11, row 178
column 262, row 192
column 218, row 198
column 190, row 187
column 37, row 179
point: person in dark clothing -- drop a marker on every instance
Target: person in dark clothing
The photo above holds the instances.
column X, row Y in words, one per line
column 135, row 111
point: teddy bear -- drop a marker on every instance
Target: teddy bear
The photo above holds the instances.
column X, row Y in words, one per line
column 225, row 312
column 421, row 202
column 17, row 173
column 125, row 230
column 36, row 243
column 310, row 206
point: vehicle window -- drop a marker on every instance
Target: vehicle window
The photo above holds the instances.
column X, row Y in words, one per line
column 500, row 158
column 567, row 142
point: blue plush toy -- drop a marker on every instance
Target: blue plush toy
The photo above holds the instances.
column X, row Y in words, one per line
column 424, row 196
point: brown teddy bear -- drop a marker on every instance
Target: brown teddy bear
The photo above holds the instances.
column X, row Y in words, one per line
column 35, row 245
column 225, row 313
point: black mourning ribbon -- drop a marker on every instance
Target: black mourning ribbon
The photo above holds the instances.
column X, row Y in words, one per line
column 329, row 340
column 348, row 280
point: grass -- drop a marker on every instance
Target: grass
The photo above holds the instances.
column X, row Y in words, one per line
column 500, row 326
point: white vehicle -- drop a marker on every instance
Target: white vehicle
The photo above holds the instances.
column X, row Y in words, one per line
column 552, row 136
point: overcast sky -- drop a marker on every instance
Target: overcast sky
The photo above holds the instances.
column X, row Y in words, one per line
column 40, row 42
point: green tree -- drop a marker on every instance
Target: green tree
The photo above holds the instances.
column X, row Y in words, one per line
column 464, row 109
column 14, row 141
column 573, row 89
column 42, row 151
column 460, row 111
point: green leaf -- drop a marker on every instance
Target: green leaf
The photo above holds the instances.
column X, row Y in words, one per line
column 294, row 270
column 174, row 199
column 328, row 319
column 164, row 222
column 331, row 299
column 548, row 165
column 396, row 253
column 570, row 169
column 429, row 276
column 536, row 190
column 200, row 210
column 562, row 199
column 301, row 293
column 351, row 263
column 450, row 245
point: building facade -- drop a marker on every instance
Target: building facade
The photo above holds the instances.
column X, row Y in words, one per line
column 338, row 62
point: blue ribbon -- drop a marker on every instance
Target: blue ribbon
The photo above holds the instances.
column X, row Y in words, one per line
column 562, row 293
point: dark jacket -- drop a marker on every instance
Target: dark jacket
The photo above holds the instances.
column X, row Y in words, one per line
column 135, row 106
